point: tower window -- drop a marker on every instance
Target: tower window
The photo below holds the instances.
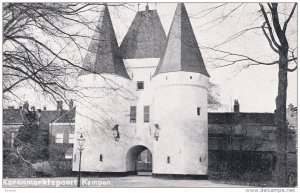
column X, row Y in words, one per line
column 146, row 114
column 200, row 159
column 191, row 77
column 101, row 157
column 168, row 159
column 140, row 85
column 198, row 111
column 132, row 114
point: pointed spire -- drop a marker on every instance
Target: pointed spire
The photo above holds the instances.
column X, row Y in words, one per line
column 103, row 54
column 145, row 38
column 182, row 52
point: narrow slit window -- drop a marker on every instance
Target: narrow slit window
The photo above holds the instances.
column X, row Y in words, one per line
column 146, row 114
column 200, row 159
column 198, row 111
column 101, row 157
column 133, row 114
column 168, row 159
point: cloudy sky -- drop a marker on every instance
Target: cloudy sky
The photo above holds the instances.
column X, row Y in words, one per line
column 254, row 87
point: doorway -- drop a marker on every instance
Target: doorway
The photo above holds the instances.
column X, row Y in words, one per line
column 139, row 160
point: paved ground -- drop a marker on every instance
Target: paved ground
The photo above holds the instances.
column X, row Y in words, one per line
column 130, row 181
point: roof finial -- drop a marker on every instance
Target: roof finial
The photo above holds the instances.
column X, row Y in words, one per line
column 147, row 7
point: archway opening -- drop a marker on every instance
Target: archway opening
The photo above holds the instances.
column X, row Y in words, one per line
column 139, row 160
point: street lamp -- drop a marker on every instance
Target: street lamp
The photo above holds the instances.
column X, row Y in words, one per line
column 81, row 142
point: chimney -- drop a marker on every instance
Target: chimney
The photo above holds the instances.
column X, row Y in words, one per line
column 59, row 105
column 38, row 114
column 26, row 106
column 236, row 107
column 147, row 7
column 44, row 108
column 71, row 104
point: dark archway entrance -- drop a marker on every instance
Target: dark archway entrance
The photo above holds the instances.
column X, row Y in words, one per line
column 139, row 160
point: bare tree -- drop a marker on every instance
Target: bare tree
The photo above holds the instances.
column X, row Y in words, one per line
column 274, row 26
column 41, row 46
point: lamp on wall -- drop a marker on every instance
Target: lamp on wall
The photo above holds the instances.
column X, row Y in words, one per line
column 81, row 142
column 156, row 132
column 116, row 133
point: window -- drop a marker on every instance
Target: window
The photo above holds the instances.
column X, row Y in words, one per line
column 168, row 159
column 132, row 114
column 69, row 153
column 146, row 114
column 198, row 111
column 59, row 138
column 191, row 77
column 200, row 159
column 101, row 157
column 12, row 140
column 140, row 85
column 71, row 138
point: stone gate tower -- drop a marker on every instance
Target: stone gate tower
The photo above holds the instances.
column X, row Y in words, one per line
column 149, row 93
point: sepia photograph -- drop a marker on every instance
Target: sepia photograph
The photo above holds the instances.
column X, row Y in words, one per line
column 150, row 95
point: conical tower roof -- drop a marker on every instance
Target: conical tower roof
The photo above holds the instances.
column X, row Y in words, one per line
column 182, row 52
column 103, row 54
column 145, row 38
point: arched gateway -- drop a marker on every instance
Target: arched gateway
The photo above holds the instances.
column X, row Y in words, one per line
column 138, row 158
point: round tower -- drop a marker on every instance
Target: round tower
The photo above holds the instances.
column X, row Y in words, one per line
column 102, row 111
column 180, row 87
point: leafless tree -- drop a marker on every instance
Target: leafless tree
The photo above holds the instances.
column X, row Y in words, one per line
column 273, row 19
column 41, row 45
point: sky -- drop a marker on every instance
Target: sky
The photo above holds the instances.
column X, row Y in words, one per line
column 254, row 87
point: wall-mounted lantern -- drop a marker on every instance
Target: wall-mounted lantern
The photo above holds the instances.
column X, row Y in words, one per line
column 116, row 133
column 156, row 133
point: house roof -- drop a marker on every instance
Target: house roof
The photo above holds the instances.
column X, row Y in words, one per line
column 68, row 117
column 182, row 52
column 103, row 55
column 12, row 117
column 242, row 118
column 145, row 38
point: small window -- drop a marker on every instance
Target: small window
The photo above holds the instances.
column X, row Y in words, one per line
column 74, row 158
column 200, row 159
column 191, row 77
column 71, row 138
column 12, row 140
column 140, row 85
column 59, row 138
column 198, row 111
column 166, row 78
column 146, row 114
column 132, row 114
column 68, row 156
column 168, row 159
column 101, row 157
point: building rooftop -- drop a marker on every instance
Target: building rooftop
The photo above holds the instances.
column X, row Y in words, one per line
column 182, row 52
column 103, row 55
column 242, row 118
column 145, row 38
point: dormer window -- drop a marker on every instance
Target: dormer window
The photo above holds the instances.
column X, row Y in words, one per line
column 140, row 85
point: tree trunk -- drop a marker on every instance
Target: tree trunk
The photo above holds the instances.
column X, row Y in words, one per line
column 280, row 116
